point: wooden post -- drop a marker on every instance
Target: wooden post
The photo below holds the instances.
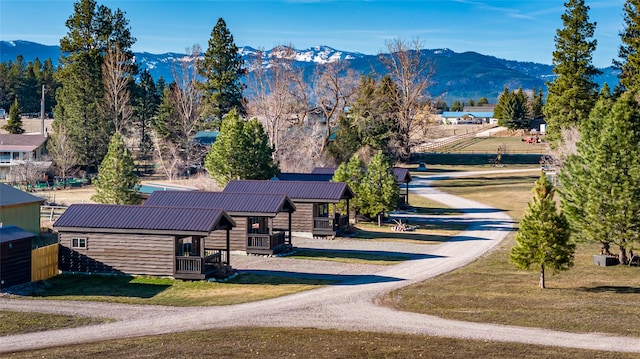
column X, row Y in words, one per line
column 228, row 246
column 290, row 214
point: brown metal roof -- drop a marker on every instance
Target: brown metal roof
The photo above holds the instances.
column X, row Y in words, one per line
column 130, row 218
column 10, row 196
column 302, row 191
column 266, row 204
column 20, row 143
column 402, row 174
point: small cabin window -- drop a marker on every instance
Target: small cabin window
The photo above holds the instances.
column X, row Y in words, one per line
column 187, row 249
column 80, row 243
column 322, row 210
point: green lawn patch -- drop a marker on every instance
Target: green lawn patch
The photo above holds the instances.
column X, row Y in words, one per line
column 353, row 256
column 165, row 291
column 19, row 323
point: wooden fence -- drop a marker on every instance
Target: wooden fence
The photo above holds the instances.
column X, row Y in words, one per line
column 52, row 212
column 44, row 262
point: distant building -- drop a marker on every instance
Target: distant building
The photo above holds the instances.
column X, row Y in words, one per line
column 20, row 209
column 467, row 117
column 18, row 149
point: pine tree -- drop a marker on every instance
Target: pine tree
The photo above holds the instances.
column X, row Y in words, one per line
column 14, row 124
column 629, row 51
column 146, row 102
column 535, row 104
column 601, row 183
column 117, row 181
column 573, row 92
column 543, row 239
column 378, row 190
column 499, row 110
column 347, row 141
column 352, row 173
column 92, row 29
column 257, row 153
column 222, row 70
column 482, row 101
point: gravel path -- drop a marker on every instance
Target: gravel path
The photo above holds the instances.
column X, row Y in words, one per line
column 348, row 305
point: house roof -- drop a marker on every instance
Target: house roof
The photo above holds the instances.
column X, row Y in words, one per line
column 206, row 138
column 457, row 114
column 298, row 191
column 323, row 177
column 143, row 219
column 324, row 170
column 13, row 233
column 10, row 196
column 402, row 174
column 20, row 143
column 236, row 204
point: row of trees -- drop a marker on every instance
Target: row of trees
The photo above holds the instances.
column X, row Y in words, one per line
column 596, row 137
column 23, row 82
column 515, row 109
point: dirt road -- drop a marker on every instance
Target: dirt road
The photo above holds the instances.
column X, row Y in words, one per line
column 348, row 305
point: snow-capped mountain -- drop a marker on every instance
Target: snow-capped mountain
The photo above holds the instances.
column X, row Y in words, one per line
column 461, row 76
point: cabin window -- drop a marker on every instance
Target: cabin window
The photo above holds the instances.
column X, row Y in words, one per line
column 258, row 225
column 322, row 210
column 79, row 243
column 186, row 249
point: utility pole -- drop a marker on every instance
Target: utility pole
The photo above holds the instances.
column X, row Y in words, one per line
column 42, row 112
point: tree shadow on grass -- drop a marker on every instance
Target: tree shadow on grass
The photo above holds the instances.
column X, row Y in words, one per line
column 98, row 285
column 611, row 289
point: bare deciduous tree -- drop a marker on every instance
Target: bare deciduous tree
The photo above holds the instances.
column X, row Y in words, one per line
column 334, row 87
column 167, row 156
column 187, row 99
column 279, row 95
column 116, row 78
column 411, row 72
column 61, row 150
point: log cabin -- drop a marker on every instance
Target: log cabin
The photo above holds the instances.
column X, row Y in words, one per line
column 316, row 203
column 15, row 256
column 254, row 214
column 143, row 240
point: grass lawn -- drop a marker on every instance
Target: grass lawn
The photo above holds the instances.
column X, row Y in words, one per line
column 19, row 322
column 307, row 343
column 165, row 291
column 587, row 298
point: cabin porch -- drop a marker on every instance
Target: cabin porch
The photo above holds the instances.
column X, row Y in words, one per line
column 194, row 262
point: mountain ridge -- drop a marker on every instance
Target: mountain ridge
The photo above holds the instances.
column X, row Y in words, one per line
column 457, row 76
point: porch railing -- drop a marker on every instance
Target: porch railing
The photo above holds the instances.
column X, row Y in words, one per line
column 330, row 224
column 186, row 264
column 265, row 241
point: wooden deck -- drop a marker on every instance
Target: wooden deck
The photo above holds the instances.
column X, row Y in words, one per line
column 327, row 227
column 199, row 268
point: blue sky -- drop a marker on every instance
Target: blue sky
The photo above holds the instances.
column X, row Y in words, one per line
column 512, row 29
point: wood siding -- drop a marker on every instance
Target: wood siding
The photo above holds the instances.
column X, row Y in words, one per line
column 15, row 262
column 119, row 254
column 237, row 237
column 301, row 219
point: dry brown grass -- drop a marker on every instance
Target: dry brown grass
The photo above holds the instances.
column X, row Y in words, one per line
column 307, row 343
column 587, row 298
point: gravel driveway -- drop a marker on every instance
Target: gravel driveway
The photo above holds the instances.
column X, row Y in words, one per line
column 348, row 305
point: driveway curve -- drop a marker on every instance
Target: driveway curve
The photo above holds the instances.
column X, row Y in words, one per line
column 348, row 305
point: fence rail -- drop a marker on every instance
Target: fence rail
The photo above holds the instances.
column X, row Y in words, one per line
column 52, row 212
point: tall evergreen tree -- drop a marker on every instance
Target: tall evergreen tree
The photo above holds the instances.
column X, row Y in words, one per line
column 600, row 184
column 629, row 51
column 146, row 101
column 573, row 92
column 222, row 70
column 535, row 104
column 14, row 124
column 543, row 239
column 92, row 30
column 241, row 151
column 117, row 181
column 347, row 141
column 258, row 154
column 352, row 173
column 378, row 190
column 503, row 99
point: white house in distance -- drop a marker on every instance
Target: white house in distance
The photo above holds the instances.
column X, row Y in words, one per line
column 475, row 115
column 16, row 149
